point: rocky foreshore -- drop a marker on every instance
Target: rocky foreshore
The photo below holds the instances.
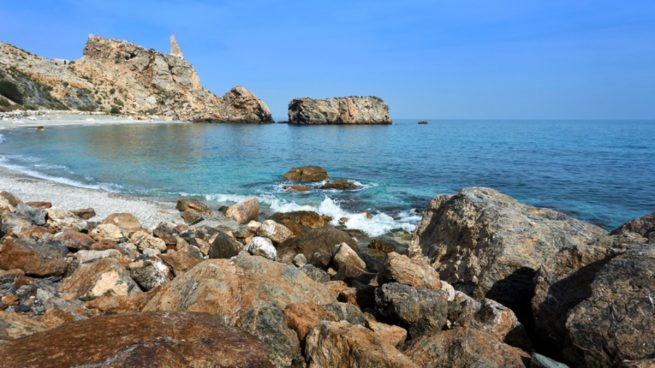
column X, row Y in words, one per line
column 487, row 282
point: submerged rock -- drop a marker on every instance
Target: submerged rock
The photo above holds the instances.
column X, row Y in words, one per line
column 341, row 110
column 171, row 339
column 306, row 174
column 340, row 185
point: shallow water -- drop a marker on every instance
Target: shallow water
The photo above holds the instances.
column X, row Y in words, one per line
column 599, row 171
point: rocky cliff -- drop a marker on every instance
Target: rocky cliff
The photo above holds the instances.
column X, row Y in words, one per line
column 341, row 110
column 120, row 77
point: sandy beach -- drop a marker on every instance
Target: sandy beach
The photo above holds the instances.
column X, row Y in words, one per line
column 29, row 188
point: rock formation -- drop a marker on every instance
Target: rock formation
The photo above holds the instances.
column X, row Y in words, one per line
column 341, row 110
column 121, row 77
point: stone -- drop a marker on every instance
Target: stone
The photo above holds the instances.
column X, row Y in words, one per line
column 125, row 221
column 107, row 232
column 8, row 201
column 299, row 260
column 144, row 240
column 393, row 335
column 303, row 317
column 347, row 262
column 74, row 240
column 184, row 204
column 644, row 226
column 418, row 310
column 84, row 213
column 489, row 245
column 35, row 215
column 383, row 245
column 341, row 344
column 224, row 246
column 244, row 211
column 274, row 231
column 12, row 223
column 35, row 258
column 104, row 277
column 119, row 303
column 262, row 247
column 86, row 256
column 411, row 271
column 464, row 347
column 153, row 273
column 615, row 322
column 167, row 232
column 180, row 261
column 15, row 325
column 297, row 188
column 540, row 361
column 39, row 204
column 502, row 323
column 314, row 272
column 253, row 226
column 306, row 174
column 340, row 185
column 340, row 110
column 59, row 220
column 300, row 221
column 172, row 339
column 316, row 245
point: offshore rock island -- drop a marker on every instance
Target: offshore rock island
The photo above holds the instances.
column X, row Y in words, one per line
column 340, row 110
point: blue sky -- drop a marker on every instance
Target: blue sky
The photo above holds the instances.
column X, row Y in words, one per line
column 547, row 59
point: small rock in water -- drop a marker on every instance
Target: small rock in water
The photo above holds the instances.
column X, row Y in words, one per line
column 306, row 174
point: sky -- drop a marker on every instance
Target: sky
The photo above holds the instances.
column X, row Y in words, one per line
column 448, row 59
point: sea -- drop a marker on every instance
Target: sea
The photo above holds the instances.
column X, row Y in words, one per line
column 597, row 171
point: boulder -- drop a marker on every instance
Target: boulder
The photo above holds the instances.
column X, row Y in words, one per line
column 300, row 221
column 86, row 256
column 343, row 345
column 125, row 221
column 37, row 216
column 297, row 188
column 487, row 244
column 149, row 274
column 15, row 325
column 340, row 185
column 393, row 335
column 180, row 261
column 144, row 240
column 262, row 247
column 167, row 232
column 59, row 220
column 34, row 257
column 10, row 222
column 224, row 246
column 615, row 322
column 303, row 317
column 8, row 202
column 347, row 262
column 172, row 339
column 84, row 213
column 464, row 347
column 274, row 231
column 316, row 245
column 74, row 240
column 340, row 110
column 244, row 211
column 184, row 204
column 315, row 273
column 306, row 174
column 643, row 226
column 107, row 232
column 104, row 277
column 419, row 310
column 39, row 204
column 411, row 271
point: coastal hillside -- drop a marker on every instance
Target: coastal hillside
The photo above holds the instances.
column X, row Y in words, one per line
column 120, row 77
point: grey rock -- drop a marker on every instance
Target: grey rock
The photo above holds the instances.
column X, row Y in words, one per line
column 540, row 361
column 315, row 273
column 224, row 246
column 341, row 110
column 316, row 245
column 36, row 216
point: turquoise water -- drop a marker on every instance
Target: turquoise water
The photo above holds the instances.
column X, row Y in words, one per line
column 599, row 171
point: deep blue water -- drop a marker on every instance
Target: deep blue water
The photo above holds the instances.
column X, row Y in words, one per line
column 599, row 171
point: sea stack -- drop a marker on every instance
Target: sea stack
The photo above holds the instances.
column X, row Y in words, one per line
column 340, row 110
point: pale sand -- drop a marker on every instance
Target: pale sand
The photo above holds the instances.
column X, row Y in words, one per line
column 28, row 188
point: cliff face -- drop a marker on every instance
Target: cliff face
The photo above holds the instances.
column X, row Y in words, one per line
column 341, row 110
column 121, row 77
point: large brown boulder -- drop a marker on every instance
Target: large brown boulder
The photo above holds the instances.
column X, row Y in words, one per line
column 464, row 347
column 306, row 174
column 125, row 221
column 411, row 271
column 15, row 325
column 340, row 110
column 300, row 221
column 104, row 277
column 171, row 339
column 34, row 257
column 487, row 244
column 343, row 345
column 317, row 245
column 244, row 211
column 615, row 323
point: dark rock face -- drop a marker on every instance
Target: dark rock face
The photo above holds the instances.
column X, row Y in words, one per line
column 615, row 323
column 316, row 245
column 306, row 174
column 420, row 310
column 37, row 258
column 488, row 244
column 341, row 110
column 340, row 185
column 224, row 246
column 464, row 347
column 644, row 226
column 172, row 339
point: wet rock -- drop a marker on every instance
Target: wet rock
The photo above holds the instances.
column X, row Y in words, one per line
column 300, row 221
column 297, row 188
column 316, row 245
column 15, row 325
column 59, row 220
column 224, row 246
column 464, row 347
column 35, row 215
column 144, row 240
column 107, row 232
column 35, row 258
column 105, row 277
column 306, row 174
column 149, row 274
column 615, row 322
column 411, row 271
column 84, row 213
column 125, row 221
column 487, row 244
column 244, row 211
column 340, row 110
column 74, row 240
column 417, row 309
column 276, row 232
column 139, row 340
column 341, row 344
column 340, row 185
column 262, row 247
